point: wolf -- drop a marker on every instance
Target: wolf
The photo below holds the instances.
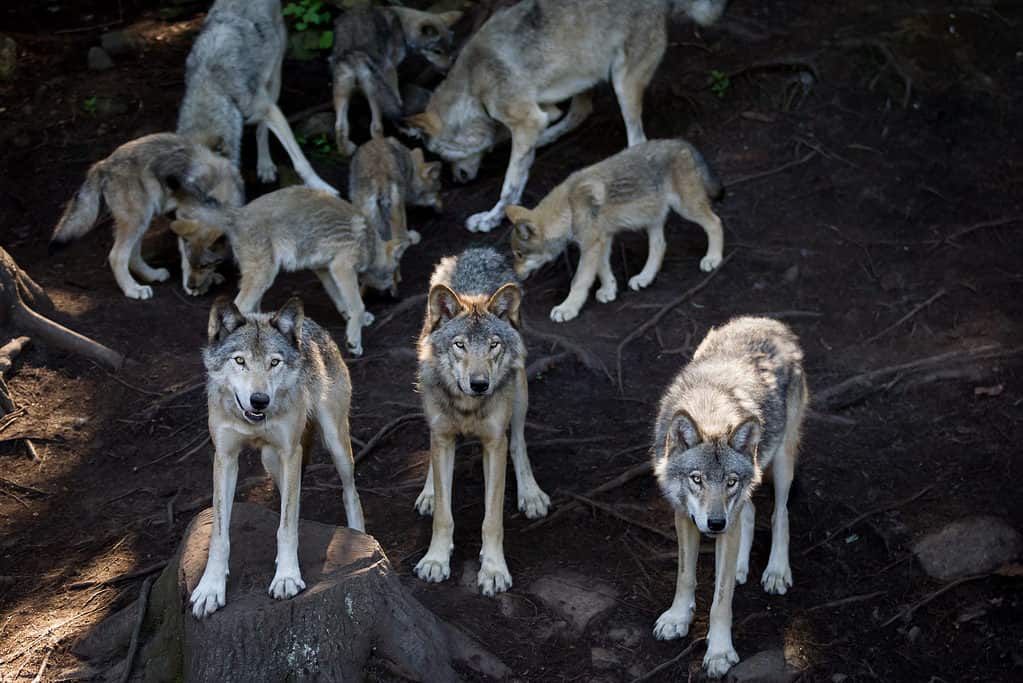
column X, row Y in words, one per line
column 632, row 190
column 472, row 379
column 733, row 412
column 140, row 180
column 272, row 379
column 369, row 45
column 384, row 176
column 233, row 77
column 527, row 58
column 299, row 228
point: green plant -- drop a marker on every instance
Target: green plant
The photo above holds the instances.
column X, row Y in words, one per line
column 306, row 13
column 310, row 23
column 719, row 82
column 89, row 105
column 318, row 146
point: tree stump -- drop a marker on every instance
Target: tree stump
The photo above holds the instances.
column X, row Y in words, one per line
column 354, row 612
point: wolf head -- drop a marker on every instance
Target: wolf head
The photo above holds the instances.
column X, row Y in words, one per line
column 426, row 182
column 475, row 339
column 254, row 362
column 457, row 129
column 540, row 234
column 202, row 248
column 428, row 34
column 707, row 476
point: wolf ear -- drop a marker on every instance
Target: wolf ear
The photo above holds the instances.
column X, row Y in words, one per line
column 288, row 320
column 520, row 215
column 427, row 121
column 432, row 170
column 746, row 437
column 683, row 430
column 225, row 318
column 443, row 305
column 184, row 228
column 505, row 303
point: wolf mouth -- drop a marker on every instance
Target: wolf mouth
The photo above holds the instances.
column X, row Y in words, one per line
column 252, row 416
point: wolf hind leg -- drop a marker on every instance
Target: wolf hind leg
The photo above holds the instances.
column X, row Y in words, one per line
column 694, row 205
column 347, row 283
column 129, row 227
column 608, row 290
column 425, row 500
column 578, row 111
column 344, row 86
column 630, row 74
column 654, row 257
column 145, row 271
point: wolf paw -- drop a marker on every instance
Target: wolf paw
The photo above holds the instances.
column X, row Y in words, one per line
column 140, row 292
column 424, row 503
column 718, row 662
column 414, row 237
column 638, row 282
column 741, row 573
column 433, row 570
column 159, row 275
column 673, row 624
column 563, row 313
column 534, row 502
column 345, row 147
column 606, row 295
column 286, row 584
column 209, row 596
column 710, row 262
column 483, row 222
column 367, row 319
column 776, row 580
column 266, row 170
column 355, row 348
column 493, row 578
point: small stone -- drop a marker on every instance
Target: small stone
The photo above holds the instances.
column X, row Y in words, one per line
column 119, row 42
column 8, row 58
column 99, row 60
column 913, row 634
column 768, row 666
column 791, row 275
column 627, row 636
column 839, row 678
column 603, row 658
column 577, row 598
column 79, row 422
column 974, row 545
column 317, row 124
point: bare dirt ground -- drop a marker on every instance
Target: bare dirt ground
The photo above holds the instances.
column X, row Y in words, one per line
column 894, row 131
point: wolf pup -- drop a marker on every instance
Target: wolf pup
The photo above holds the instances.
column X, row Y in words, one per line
column 271, row 381
column 526, row 59
column 383, row 177
column 472, row 379
column 734, row 411
column 142, row 179
column 632, row 190
column 369, row 45
column 299, row 228
column 233, row 77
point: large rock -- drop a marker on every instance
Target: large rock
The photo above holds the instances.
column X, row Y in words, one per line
column 575, row 597
column 974, row 545
column 117, row 43
column 99, row 60
column 354, row 612
column 768, row 666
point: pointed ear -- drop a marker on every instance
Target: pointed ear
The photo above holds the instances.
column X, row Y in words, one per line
column 184, row 228
column 746, row 437
column 427, row 121
column 225, row 318
column 505, row 303
column 683, row 431
column 432, row 170
column 443, row 305
column 288, row 320
column 450, row 18
column 517, row 214
column 417, row 157
column 591, row 193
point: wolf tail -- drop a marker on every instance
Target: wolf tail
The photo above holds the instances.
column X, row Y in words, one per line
column 711, row 183
column 375, row 85
column 703, row 12
column 82, row 211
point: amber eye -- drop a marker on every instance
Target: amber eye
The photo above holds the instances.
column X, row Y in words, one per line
column 460, row 345
column 274, row 362
column 697, row 479
column 239, row 360
column 731, row 481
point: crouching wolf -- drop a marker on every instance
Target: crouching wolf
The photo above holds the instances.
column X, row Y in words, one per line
column 734, row 411
column 383, row 177
column 632, row 190
column 299, row 228
column 233, row 77
column 526, row 59
column 369, row 45
column 142, row 179
column 271, row 381
column 472, row 379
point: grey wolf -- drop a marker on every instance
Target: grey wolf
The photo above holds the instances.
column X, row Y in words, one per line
column 142, row 179
column 733, row 412
column 272, row 380
column 233, row 77
column 298, row 228
column 527, row 58
column 369, row 45
column 472, row 379
column 632, row 190
column 383, row 177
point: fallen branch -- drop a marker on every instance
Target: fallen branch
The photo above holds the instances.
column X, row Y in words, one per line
column 859, row 518
column 916, row 309
column 143, row 602
column 27, row 490
column 852, row 599
column 384, row 431
column 994, row 223
column 201, row 440
column 625, row 518
column 909, row 610
column 661, row 312
column 401, row 307
column 590, row 360
column 671, row 662
column 145, row 571
column 10, row 351
column 763, row 174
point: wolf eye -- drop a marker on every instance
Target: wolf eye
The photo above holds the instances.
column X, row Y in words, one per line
column 697, row 479
column 274, row 362
column 731, row 481
column 239, row 360
column 517, row 254
column 494, row 345
column 460, row 345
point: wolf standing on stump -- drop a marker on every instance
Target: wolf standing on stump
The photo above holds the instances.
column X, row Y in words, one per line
column 733, row 412
column 472, row 377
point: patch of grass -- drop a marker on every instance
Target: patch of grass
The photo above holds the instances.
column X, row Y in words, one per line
column 89, row 105
column 318, row 146
column 719, row 82
column 309, row 22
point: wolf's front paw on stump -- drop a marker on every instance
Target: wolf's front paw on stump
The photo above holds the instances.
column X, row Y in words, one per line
column 346, row 576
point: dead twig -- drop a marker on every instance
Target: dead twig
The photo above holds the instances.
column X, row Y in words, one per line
column 994, row 223
column 23, row 488
column 10, row 351
column 32, row 452
column 909, row 610
column 200, row 440
column 144, row 571
column 42, row 667
column 384, row 431
column 401, row 307
column 139, row 620
column 625, row 518
column 859, row 518
column 198, row 447
column 590, row 360
column 916, row 309
column 671, row 662
column 661, row 312
column 852, row 599
column 542, row 365
column 763, row 174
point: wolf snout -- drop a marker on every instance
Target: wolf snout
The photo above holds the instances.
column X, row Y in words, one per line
column 479, row 385
column 259, row 401
column 462, row 175
column 716, row 524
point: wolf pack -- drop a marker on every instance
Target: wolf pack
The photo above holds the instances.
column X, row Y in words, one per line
column 275, row 380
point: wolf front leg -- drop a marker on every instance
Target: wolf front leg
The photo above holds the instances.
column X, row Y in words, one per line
column 525, row 129
column 721, row 655
column 531, row 498
column 675, row 622
column 494, row 576
column 436, row 564
column 287, row 581
column 585, row 274
column 210, row 594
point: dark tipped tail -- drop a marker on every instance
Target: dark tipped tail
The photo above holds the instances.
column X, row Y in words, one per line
column 376, row 86
column 715, row 189
column 81, row 212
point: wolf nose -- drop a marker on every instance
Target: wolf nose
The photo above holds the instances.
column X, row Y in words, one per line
column 479, row 385
column 259, row 401
column 461, row 175
column 716, row 524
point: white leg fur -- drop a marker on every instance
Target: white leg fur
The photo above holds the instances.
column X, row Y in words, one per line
column 424, row 503
column 493, row 576
column 585, row 274
column 748, row 520
column 533, row 502
column 721, row 655
column 654, row 258
column 121, row 258
column 524, row 137
column 608, row 291
column 287, row 581
column 675, row 622
column 334, row 425
column 436, row 564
